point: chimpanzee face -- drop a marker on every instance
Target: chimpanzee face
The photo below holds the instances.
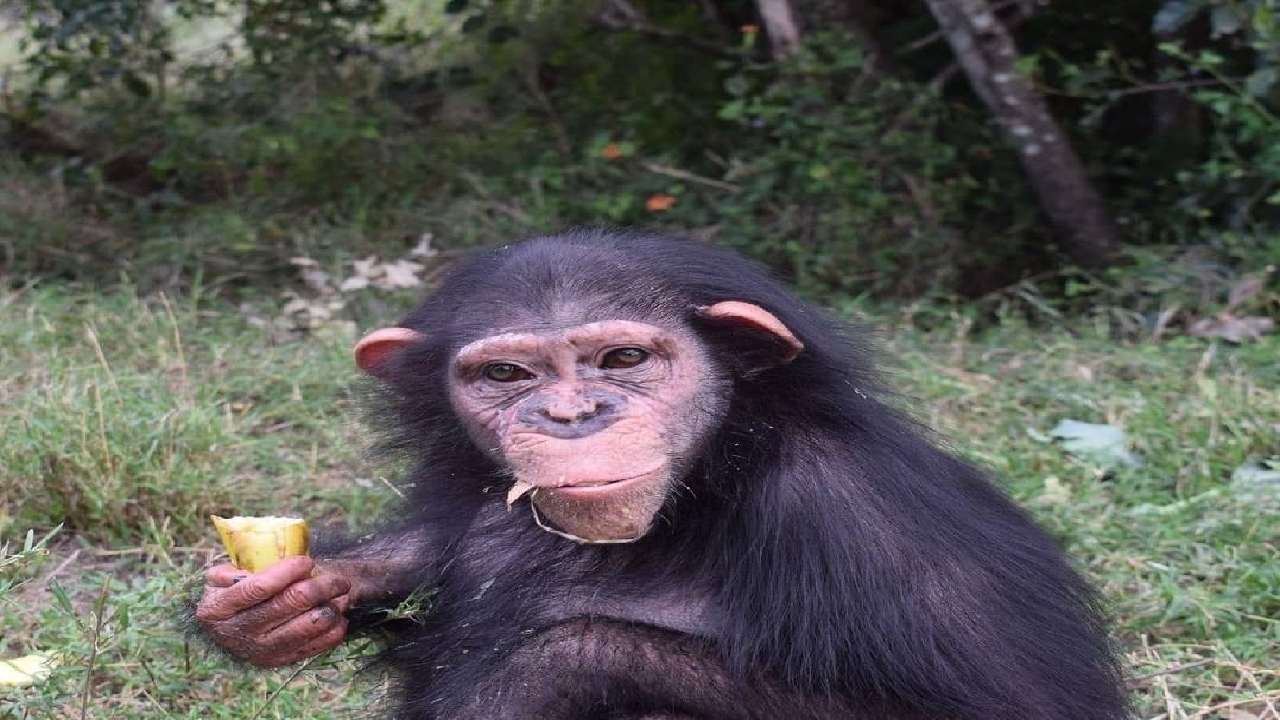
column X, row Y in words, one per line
column 597, row 422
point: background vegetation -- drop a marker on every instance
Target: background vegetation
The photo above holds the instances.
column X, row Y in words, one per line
column 204, row 202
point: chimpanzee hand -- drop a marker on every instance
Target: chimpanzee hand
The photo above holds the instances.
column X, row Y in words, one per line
column 277, row 616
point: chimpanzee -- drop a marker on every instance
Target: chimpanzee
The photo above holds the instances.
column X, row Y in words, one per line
column 648, row 482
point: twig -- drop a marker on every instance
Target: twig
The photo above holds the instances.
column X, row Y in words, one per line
column 687, row 176
column 621, row 16
column 1139, row 89
column 944, row 77
column 63, row 565
column 711, row 16
column 280, row 688
column 530, row 79
column 99, row 620
column 1011, row 288
column 1135, row 679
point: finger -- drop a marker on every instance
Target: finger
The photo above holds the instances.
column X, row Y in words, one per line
column 303, row 629
column 224, row 575
column 286, row 571
column 305, row 637
column 292, row 601
column 314, row 592
column 247, row 590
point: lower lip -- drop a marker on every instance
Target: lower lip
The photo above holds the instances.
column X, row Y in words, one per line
column 587, row 491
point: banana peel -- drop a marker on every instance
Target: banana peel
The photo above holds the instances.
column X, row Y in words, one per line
column 256, row 543
column 24, row 670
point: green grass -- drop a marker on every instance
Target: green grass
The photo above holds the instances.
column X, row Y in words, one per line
column 1190, row 566
column 125, row 414
column 128, row 420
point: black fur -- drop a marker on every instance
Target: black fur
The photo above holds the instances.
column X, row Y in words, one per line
column 822, row 560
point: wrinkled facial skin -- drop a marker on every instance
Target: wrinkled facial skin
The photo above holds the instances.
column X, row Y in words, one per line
column 597, row 420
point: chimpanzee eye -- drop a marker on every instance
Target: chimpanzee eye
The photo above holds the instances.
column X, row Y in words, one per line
column 506, row 372
column 623, row 358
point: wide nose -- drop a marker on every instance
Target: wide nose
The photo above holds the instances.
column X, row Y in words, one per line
column 571, row 408
column 572, row 412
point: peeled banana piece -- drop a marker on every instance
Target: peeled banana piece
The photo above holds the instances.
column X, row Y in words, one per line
column 256, row 543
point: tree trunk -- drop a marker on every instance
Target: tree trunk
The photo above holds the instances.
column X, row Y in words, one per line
column 781, row 27
column 1087, row 232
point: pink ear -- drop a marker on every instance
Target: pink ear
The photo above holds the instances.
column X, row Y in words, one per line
column 735, row 312
column 375, row 349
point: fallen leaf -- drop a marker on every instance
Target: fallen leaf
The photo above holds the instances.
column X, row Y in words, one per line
column 317, row 280
column 1257, row 473
column 423, row 249
column 367, row 267
column 1244, row 291
column 1231, row 328
column 355, row 282
column 1099, row 443
column 294, row 305
column 1165, row 317
column 401, row 274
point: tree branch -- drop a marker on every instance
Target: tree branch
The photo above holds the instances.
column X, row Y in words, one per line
column 622, row 16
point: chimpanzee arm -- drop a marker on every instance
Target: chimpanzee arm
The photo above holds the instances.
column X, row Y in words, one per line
column 301, row 607
column 591, row 667
column 384, row 569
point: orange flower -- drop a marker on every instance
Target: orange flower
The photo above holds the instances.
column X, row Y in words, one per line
column 611, row 152
column 659, row 202
column 749, row 29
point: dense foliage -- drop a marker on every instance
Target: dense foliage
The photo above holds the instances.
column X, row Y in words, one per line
column 860, row 164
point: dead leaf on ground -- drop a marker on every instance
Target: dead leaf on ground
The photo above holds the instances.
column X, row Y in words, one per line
column 317, row 280
column 1231, row 328
column 423, row 249
column 1103, row 444
column 366, row 268
column 1244, row 291
column 401, row 274
column 353, row 283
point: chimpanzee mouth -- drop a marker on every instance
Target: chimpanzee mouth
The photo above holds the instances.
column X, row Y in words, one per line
column 588, row 488
column 582, row 489
column 598, row 483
